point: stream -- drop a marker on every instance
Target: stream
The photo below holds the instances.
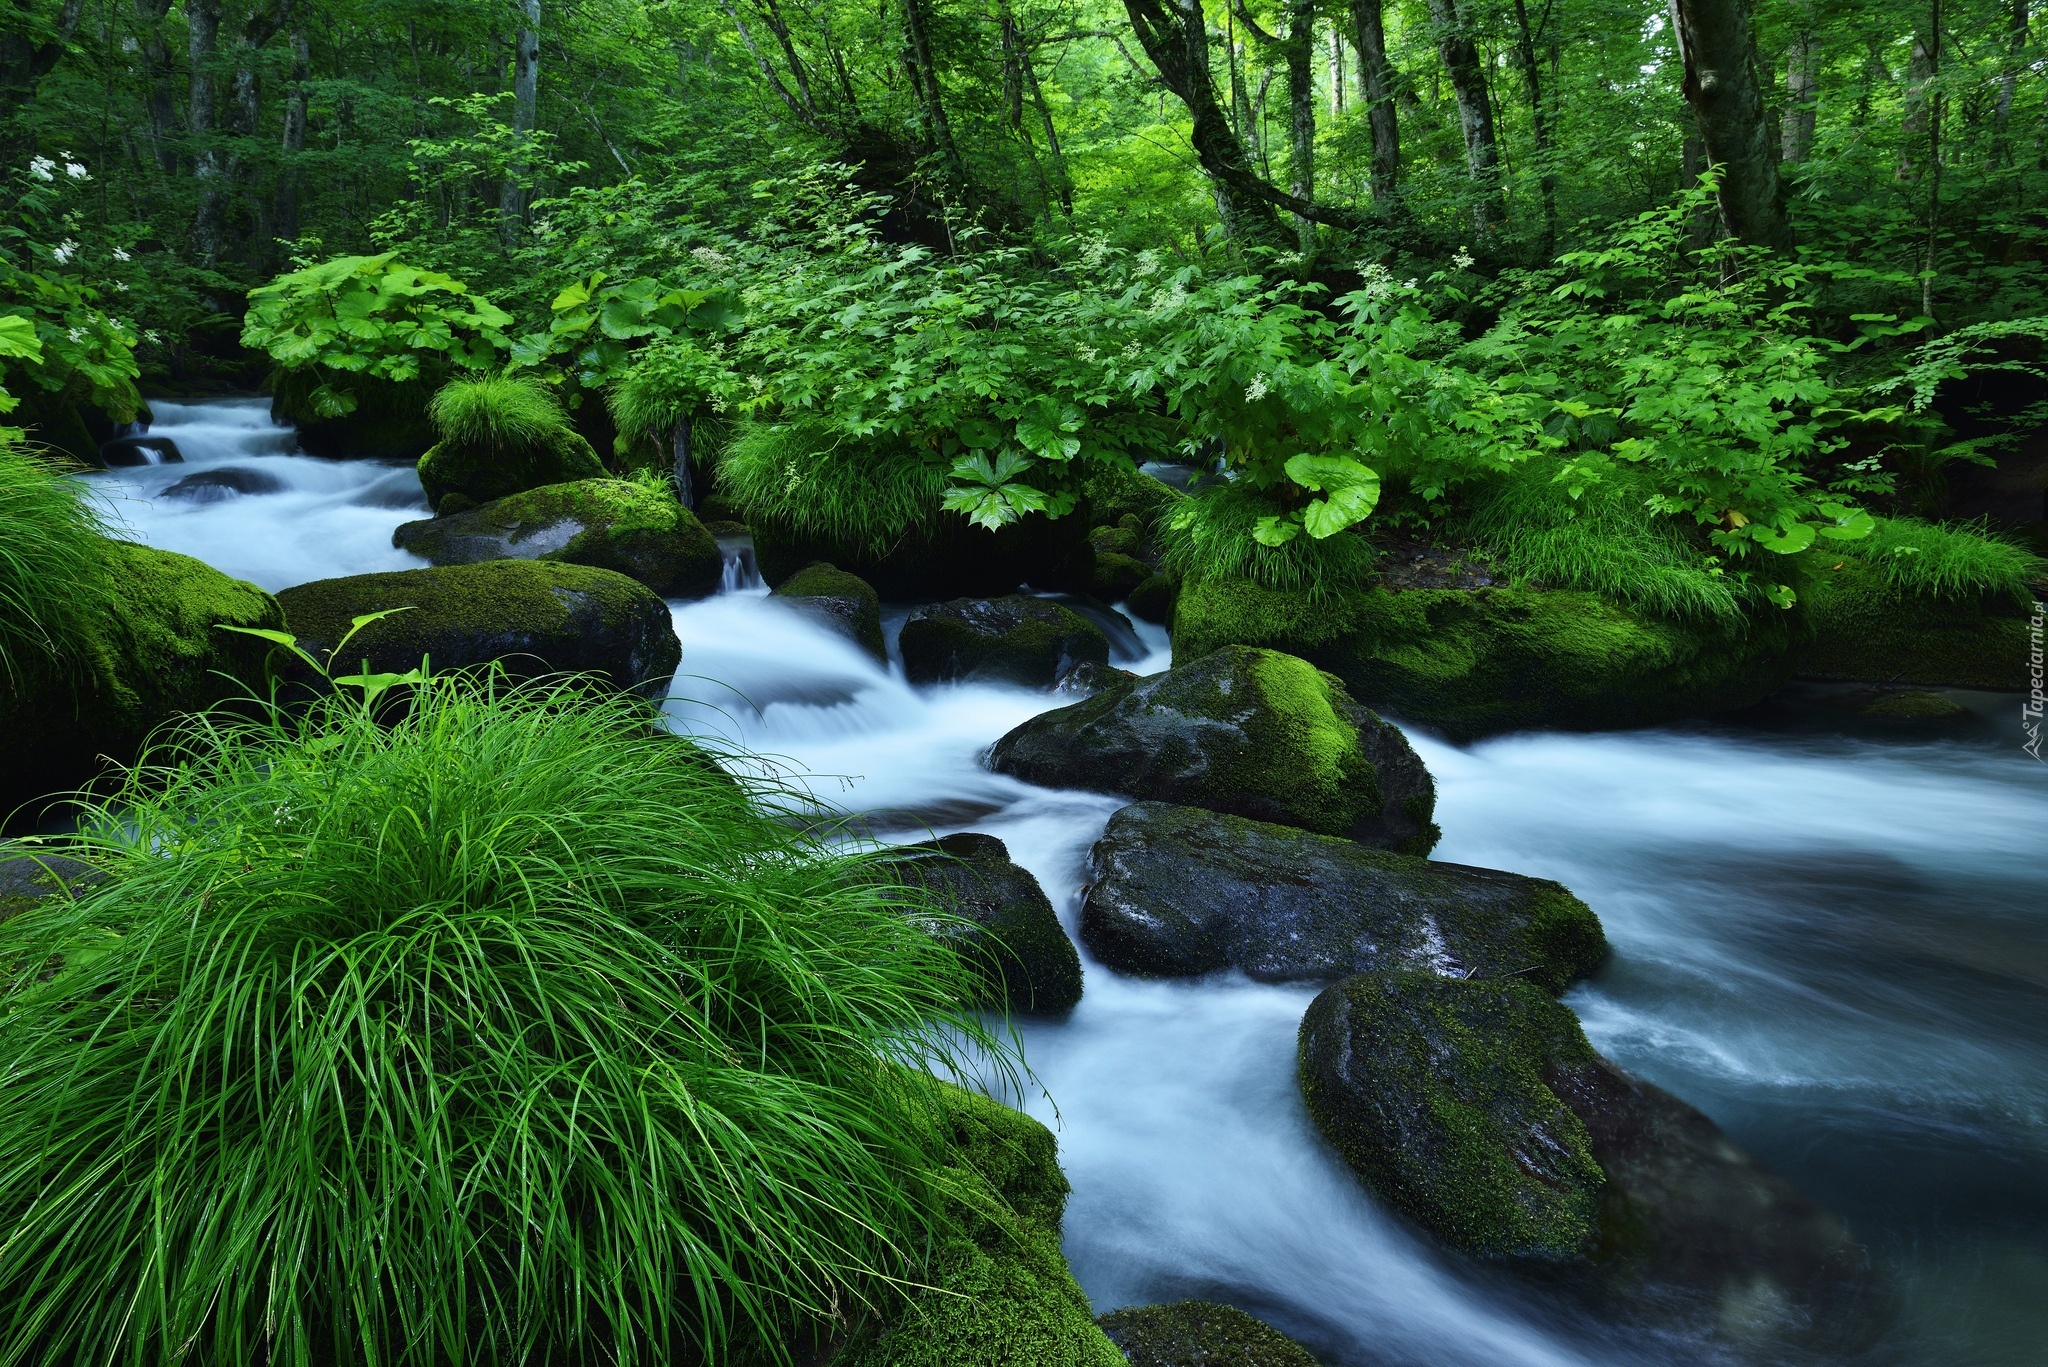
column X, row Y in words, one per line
column 1833, row 941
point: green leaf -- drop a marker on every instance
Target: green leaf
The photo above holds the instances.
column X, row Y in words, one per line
column 18, row 338
column 1788, row 541
column 1275, row 531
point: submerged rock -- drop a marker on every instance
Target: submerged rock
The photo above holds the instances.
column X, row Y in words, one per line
column 1013, row 936
column 1016, row 639
column 1251, row 732
column 218, row 486
column 140, row 451
column 1179, row 891
column 1478, row 1108
column 839, row 602
column 1200, row 1334
column 611, row 524
column 534, row 617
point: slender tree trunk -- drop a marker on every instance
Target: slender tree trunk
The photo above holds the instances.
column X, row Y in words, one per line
column 799, row 107
column 1933, row 153
column 525, row 107
column 1802, row 89
column 1299, row 50
column 157, row 100
column 1062, row 181
column 1700, row 229
column 202, row 41
column 1459, row 50
column 1913, row 127
column 1376, row 81
column 1336, row 71
column 1715, row 45
column 286, row 211
column 772, row 14
column 680, row 454
column 917, row 27
column 1014, row 61
column 2008, row 82
column 1539, row 118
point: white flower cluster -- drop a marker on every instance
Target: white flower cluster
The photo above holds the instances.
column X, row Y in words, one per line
column 1256, row 390
column 121, row 254
column 42, row 168
column 708, row 256
column 1095, row 250
column 1166, row 301
column 1148, row 262
column 1379, row 281
column 1462, row 260
column 64, row 251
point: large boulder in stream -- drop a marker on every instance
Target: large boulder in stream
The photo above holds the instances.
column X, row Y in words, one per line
column 1200, row 1334
column 843, row 603
column 534, row 617
column 1477, row 1107
column 1008, row 929
column 1251, row 732
column 1867, row 628
column 1179, row 891
column 612, row 524
column 1017, row 639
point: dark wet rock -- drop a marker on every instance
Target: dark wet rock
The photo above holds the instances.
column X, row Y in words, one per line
column 1478, row 1108
column 948, row 558
column 1153, row 600
column 1179, row 891
column 610, row 524
column 31, row 871
column 840, row 602
column 1015, row 639
column 1012, row 934
column 1200, row 1334
column 1087, row 679
column 534, row 616
column 1117, row 576
column 141, row 451
column 1250, row 732
column 218, row 486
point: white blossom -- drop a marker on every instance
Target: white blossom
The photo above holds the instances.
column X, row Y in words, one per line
column 1462, row 260
column 1256, row 390
column 1148, row 262
column 151, row 337
column 42, row 168
column 77, row 334
column 64, row 251
column 711, row 257
column 121, row 286
column 121, row 254
column 76, row 171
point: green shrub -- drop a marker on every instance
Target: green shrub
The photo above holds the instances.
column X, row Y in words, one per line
column 497, row 412
column 52, row 570
column 1937, row 561
column 1210, row 535
column 813, row 483
column 502, row 1027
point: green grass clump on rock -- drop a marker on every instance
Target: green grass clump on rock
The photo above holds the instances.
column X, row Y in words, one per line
column 1958, row 562
column 500, row 435
column 499, row 411
column 53, row 570
column 506, row 1029
column 1865, row 626
column 830, row 489
column 1208, row 535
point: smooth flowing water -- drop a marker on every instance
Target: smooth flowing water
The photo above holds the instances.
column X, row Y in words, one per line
column 1834, row 944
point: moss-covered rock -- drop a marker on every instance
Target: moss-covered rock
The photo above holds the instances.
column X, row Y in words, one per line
column 612, row 524
column 1865, row 629
column 1914, row 705
column 481, row 473
column 1250, row 732
column 840, row 602
column 1117, row 576
column 999, row 1294
column 1017, row 639
column 1474, row 662
column 1178, row 891
column 1010, row 931
column 154, row 652
column 1119, row 491
column 1478, row 1108
column 951, row 559
column 533, row 616
column 389, row 422
column 1154, row 599
column 1200, row 1334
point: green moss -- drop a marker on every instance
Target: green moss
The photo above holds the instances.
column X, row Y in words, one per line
column 1200, row 1334
column 845, row 602
column 1116, row 491
column 1916, row 705
column 1153, row 600
column 626, row 527
column 1866, row 627
column 1117, row 576
column 1471, row 662
column 500, row 437
column 1000, row 1294
column 1434, row 1091
column 389, row 422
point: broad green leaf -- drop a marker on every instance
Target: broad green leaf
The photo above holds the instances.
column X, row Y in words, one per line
column 1275, row 531
column 1789, row 541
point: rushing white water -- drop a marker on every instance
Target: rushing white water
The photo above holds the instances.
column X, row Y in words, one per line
column 1837, row 946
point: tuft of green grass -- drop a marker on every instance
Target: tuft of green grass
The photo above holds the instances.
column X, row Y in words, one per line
column 53, row 572
column 502, row 1027
column 1949, row 561
column 498, row 412
column 1208, row 535
column 1607, row 541
column 818, row 484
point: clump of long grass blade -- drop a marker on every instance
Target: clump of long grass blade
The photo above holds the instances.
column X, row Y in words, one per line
column 1606, row 541
column 1208, row 535
column 501, row 1027
column 1955, row 561
column 53, row 574
column 816, row 483
column 499, row 412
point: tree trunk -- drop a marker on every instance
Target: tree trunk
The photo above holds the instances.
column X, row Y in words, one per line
column 202, row 41
column 1336, row 71
column 525, row 105
column 918, row 29
column 679, row 452
column 1014, row 61
column 1456, row 45
column 285, row 214
column 1539, row 118
column 799, row 107
column 1913, row 127
column 2008, row 82
column 1376, row 81
column 1063, row 181
column 1802, row 89
column 26, row 59
column 1299, row 49
column 1715, row 46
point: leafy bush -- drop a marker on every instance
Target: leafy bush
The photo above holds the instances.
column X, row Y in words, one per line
column 1213, row 534
column 52, row 572
column 1951, row 562
column 497, row 412
column 80, row 353
column 375, row 316
column 499, row 1027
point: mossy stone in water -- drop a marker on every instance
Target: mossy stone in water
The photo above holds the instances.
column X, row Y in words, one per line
column 1153, row 600
column 1200, row 1334
column 1865, row 629
column 1017, row 639
column 1012, row 935
column 611, row 524
column 1471, row 662
column 1434, row 1091
column 389, row 421
column 534, row 616
column 840, row 602
column 1117, row 575
column 483, row 472
column 1252, row 732
column 1915, row 705
column 999, row 1293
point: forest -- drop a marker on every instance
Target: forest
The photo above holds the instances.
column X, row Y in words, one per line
column 852, row 683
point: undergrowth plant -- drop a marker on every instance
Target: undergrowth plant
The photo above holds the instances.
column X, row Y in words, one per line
column 496, row 412
column 1213, row 533
column 501, row 1027
column 815, row 481
column 53, row 574
column 1938, row 561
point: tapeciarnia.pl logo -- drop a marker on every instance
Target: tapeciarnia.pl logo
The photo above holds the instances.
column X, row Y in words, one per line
column 2030, row 710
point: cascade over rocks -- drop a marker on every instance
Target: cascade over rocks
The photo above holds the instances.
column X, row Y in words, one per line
column 1179, row 891
column 1013, row 937
column 840, row 602
column 1017, row 639
column 139, row 450
column 611, row 524
column 1250, row 732
column 1200, row 1334
column 1479, row 1109
column 535, row 616
column 218, row 486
